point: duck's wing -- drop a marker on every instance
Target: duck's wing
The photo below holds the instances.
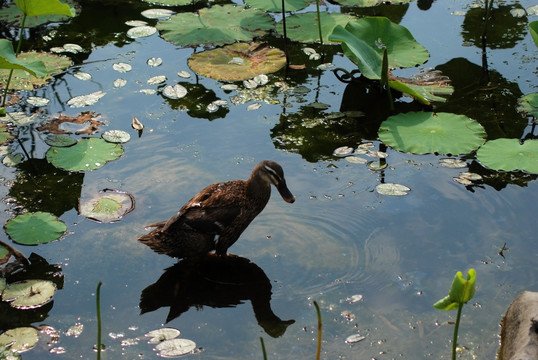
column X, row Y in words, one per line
column 211, row 210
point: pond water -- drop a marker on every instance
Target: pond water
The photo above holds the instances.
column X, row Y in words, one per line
column 374, row 264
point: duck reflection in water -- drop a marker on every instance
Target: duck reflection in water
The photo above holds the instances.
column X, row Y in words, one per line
column 217, row 282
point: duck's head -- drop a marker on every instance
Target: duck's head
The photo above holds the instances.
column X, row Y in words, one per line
column 272, row 173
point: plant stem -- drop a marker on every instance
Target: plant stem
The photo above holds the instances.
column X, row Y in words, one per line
column 19, row 45
column 455, row 338
column 263, row 349
column 319, row 23
column 98, row 303
column 318, row 350
column 285, row 35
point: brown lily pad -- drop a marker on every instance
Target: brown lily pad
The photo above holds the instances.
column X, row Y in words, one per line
column 84, row 123
column 238, row 61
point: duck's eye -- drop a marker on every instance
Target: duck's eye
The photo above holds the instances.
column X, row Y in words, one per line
column 275, row 178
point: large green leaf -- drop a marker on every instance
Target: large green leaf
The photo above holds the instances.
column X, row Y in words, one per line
column 86, row 155
column 369, row 3
column 533, row 28
column 35, row 228
column 276, row 5
column 304, row 27
column 217, row 25
column 8, row 60
column 239, row 61
column 44, row 7
column 427, row 132
column 12, row 15
column 424, row 93
column 509, row 155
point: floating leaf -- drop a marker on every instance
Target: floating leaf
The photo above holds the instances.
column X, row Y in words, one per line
column 276, row 6
column 60, row 140
column 20, row 339
column 427, row 132
column 452, row 163
column 213, row 26
column 528, row 104
column 175, row 92
column 135, row 23
column 154, row 62
column 256, row 59
column 37, row 101
column 122, row 67
column 82, row 75
column 159, row 335
column 118, row 83
column 157, row 13
column 159, row 79
column 5, row 135
column 35, row 228
column 509, row 155
column 392, row 189
column 116, row 136
column 354, row 338
column 370, row 3
column 184, row 74
column 303, row 27
column 86, row 155
column 175, row 347
column 254, row 106
column 343, row 151
column 12, row 160
column 141, row 31
column 108, row 206
column 86, row 100
column 356, row 160
column 29, row 294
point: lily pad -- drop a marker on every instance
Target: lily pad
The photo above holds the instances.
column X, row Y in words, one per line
column 255, row 58
column 175, row 347
column 428, row 132
column 369, row 3
column 175, row 92
column 509, row 155
column 392, row 189
column 29, row 294
column 22, row 80
column 39, row 12
column 8, row 60
column 108, row 206
column 156, row 336
column 141, row 31
column 213, row 26
column 304, row 27
column 528, row 104
column 20, row 339
column 86, row 155
column 276, row 5
column 5, row 135
column 116, row 136
column 35, row 228
column 85, row 100
column 60, row 140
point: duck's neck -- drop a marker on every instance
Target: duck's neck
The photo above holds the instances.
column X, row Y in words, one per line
column 258, row 187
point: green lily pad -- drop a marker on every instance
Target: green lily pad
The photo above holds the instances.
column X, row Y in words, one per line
column 116, row 136
column 29, row 294
column 39, row 12
column 86, row 155
column 5, row 135
column 239, row 61
column 60, row 140
column 159, row 335
column 391, row 189
column 175, row 347
column 20, row 339
column 426, row 86
column 509, row 155
column 369, row 3
column 528, row 104
column 304, row 27
column 378, row 34
column 428, row 132
column 21, row 80
column 533, row 28
column 108, row 206
column 276, row 5
column 213, row 26
column 8, row 60
column 35, row 228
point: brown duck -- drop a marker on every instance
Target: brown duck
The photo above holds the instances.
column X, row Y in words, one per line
column 215, row 217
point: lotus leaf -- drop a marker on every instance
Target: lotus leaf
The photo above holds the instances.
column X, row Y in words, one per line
column 175, row 347
column 304, row 27
column 427, row 132
column 528, row 104
column 171, row 2
column 533, row 28
column 22, row 80
column 86, row 155
column 509, row 155
column 60, row 140
column 35, row 228
column 5, row 136
column 391, row 189
column 276, row 5
column 20, row 339
column 256, row 59
column 116, row 136
column 369, row 3
column 213, row 26
column 8, row 60
column 156, row 336
column 108, row 206
column 425, row 93
column 39, row 12
column 29, row 294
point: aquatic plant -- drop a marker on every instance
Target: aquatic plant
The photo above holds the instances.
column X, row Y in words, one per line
column 459, row 294
column 98, row 313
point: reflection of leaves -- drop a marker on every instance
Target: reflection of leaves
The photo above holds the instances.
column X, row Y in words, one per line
column 503, row 29
column 197, row 101
column 237, row 61
column 89, row 118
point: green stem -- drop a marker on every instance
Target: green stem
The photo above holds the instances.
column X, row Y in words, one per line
column 319, row 23
column 285, row 35
column 455, row 338
column 19, row 45
column 98, row 303
column 318, row 350
column 263, row 349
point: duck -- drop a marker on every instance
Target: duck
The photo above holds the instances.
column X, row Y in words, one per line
column 215, row 218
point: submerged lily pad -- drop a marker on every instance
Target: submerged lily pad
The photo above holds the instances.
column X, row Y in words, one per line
column 509, row 155
column 60, row 140
column 29, row 294
column 304, row 27
column 35, row 228
column 255, row 59
column 427, row 132
column 213, row 26
column 86, row 155
column 108, row 206
column 20, row 339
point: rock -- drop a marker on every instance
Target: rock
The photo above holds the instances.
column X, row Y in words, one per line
column 519, row 333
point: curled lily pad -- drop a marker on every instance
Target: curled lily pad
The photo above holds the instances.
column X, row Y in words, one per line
column 255, row 58
column 213, row 26
column 175, row 347
column 86, row 155
column 108, row 206
column 141, row 31
column 343, row 151
column 156, row 336
column 122, row 67
column 175, row 92
column 12, row 159
column 20, row 339
column 29, row 294
column 509, row 155
column 60, row 140
column 85, row 100
column 392, row 189
column 35, row 228
column 116, row 136
column 427, row 132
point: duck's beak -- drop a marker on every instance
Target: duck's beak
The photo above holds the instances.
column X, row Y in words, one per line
column 285, row 192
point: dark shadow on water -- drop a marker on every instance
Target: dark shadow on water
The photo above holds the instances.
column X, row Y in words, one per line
column 216, row 282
